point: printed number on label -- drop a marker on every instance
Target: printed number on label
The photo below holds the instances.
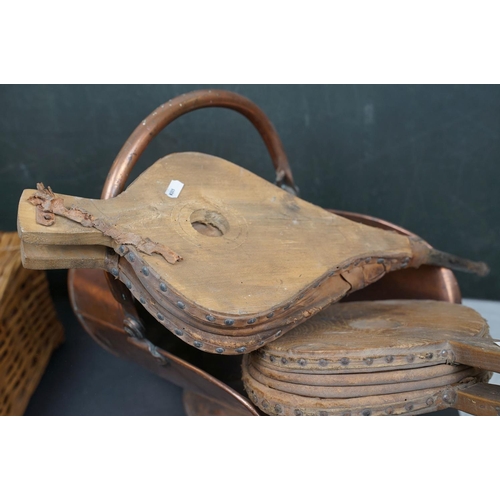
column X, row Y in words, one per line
column 174, row 189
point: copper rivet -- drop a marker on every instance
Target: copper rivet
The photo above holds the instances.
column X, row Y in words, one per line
column 181, row 305
column 284, row 361
column 197, row 344
column 369, row 361
column 344, row 361
column 302, row 362
column 219, row 350
column 252, row 321
column 278, row 409
column 128, row 284
column 389, row 359
column 298, row 413
column 410, row 358
column 229, row 322
column 366, row 413
column 114, row 271
column 241, row 350
column 323, row 362
column 270, row 315
column 163, row 287
column 131, row 257
column 179, row 332
column 160, row 317
column 145, row 271
column 409, row 407
column 429, row 402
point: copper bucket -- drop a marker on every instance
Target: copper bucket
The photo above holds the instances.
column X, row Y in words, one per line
column 212, row 384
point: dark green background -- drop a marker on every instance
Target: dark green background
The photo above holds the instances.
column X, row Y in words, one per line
column 424, row 157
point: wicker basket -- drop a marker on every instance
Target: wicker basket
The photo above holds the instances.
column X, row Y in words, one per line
column 29, row 328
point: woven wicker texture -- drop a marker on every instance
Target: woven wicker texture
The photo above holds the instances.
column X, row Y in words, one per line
column 29, row 328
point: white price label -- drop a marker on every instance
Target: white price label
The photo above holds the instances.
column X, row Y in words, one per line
column 174, row 189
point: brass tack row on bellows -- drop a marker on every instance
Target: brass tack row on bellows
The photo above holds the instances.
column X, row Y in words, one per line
column 410, row 358
column 184, row 332
column 145, row 271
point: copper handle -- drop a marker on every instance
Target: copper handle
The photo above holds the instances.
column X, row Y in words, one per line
column 173, row 109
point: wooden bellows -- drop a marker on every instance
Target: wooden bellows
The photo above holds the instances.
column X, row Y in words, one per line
column 229, row 265
column 378, row 358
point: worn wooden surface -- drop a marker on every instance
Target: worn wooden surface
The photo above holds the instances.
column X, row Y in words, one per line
column 273, row 245
column 275, row 261
column 375, row 336
column 480, row 399
column 373, row 358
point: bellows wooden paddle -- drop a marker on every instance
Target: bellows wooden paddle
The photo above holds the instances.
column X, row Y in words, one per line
column 223, row 258
column 378, row 358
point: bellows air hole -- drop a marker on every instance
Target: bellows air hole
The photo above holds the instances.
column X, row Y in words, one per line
column 209, row 223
